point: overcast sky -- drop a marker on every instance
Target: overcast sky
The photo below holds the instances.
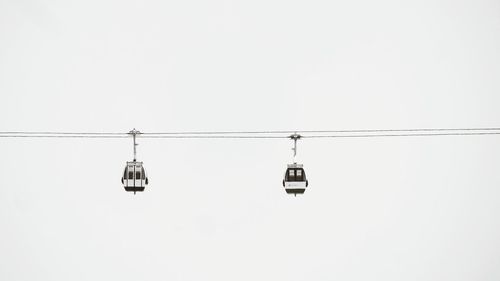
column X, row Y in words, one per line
column 375, row 209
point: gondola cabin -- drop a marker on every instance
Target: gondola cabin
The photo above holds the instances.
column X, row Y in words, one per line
column 295, row 181
column 134, row 177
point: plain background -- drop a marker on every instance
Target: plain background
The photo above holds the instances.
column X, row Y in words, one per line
column 376, row 209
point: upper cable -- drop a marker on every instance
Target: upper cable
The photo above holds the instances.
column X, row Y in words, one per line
column 276, row 134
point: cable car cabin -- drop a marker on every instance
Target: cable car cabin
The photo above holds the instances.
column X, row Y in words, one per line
column 295, row 181
column 134, row 177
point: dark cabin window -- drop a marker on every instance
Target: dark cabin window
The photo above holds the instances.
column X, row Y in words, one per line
column 143, row 173
column 291, row 175
column 138, row 175
column 130, row 175
column 300, row 174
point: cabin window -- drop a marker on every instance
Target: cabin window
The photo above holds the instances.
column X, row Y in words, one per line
column 138, row 175
column 291, row 175
column 299, row 175
column 130, row 175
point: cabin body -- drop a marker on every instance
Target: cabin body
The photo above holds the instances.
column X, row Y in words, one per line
column 295, row 181
column 134, row 177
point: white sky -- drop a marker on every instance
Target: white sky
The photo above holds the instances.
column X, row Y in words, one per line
column 376, row 209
